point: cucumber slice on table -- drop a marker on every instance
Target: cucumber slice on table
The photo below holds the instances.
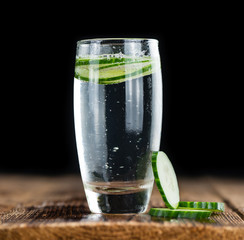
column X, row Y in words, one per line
column 179, row 213
column 210, row 206
column 165, row 179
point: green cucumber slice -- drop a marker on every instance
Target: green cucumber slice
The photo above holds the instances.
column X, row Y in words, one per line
column 109, row 60
column 179, row 213
column 210, row 206
column 112, row 70
column 165, row 179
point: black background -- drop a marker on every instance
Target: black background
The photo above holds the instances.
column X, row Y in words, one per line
column 202, row 63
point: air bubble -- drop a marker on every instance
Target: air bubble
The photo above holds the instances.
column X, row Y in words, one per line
column 121, row 55
column 115, row 149
column 107, row 56
column 106, row 166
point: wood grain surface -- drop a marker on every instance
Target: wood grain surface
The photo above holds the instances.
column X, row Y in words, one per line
column 55, row 208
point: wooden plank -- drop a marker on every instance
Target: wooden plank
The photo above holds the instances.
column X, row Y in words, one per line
column 232, row 192
column 36, row 207
column 22, row 191
column 230, row 189
column 120, row 230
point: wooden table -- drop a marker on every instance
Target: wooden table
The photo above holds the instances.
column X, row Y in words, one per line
column 55, row 208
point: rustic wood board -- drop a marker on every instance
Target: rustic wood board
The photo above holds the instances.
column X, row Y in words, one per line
column 40, row 207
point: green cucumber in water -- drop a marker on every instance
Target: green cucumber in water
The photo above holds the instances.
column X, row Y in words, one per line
column 179, row 213
column 165, row 179
column 112, row 70
column 109, row 60
column 210, row 206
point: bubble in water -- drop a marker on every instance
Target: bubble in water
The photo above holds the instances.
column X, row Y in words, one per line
column 107, row 56
column 106, row 166
column 121, row 55
column 140, row 54
column 115, row 149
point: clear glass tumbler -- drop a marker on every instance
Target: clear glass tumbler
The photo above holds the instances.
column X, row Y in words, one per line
column 118, row 118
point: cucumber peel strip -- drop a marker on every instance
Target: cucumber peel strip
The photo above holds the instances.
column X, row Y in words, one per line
column 110, row 60
column 179, row 213
column 210, row 206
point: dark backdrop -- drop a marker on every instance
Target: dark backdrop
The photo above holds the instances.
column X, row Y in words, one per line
column 201, row 58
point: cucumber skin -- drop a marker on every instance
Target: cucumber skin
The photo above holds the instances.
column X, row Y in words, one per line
column 210, row 206
column 179, row 213
column 156, row 177
column 111, row 60
column 117, row 79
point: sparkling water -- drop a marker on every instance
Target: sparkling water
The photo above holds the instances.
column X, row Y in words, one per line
column 117, row 128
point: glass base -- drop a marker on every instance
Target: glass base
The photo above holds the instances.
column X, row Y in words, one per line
column 118, row 197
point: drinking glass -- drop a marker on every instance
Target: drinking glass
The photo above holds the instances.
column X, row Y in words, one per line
column 118, row 118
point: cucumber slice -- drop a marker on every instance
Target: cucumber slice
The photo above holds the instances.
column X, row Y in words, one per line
column 210, row 206
column 109, row 60
column 112, row 70
column 179, row 213
column 165, row 179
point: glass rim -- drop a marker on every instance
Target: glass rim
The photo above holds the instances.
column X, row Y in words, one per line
column 116, row 40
